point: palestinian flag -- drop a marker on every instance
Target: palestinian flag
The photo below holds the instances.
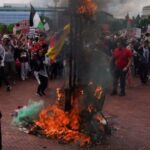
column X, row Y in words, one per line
column 35, row 20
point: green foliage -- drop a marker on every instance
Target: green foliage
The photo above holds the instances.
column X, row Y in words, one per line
column 142, row 22
column 6, row 28
column 2, row 28
column 10, row 28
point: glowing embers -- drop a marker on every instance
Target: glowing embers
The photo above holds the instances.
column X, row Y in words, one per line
column 87, row 7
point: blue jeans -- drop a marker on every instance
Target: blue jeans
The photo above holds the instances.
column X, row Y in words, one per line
column 119, row 76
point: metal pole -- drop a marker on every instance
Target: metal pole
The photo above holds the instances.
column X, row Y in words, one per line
column 56, row 15
column 0, row 132
column 69, row 91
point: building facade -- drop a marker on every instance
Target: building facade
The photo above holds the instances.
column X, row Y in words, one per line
column 146, row 12
column 10, row 14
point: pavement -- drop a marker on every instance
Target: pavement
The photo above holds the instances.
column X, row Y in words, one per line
column 130, row 116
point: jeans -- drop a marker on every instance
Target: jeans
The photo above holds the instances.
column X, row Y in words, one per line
column 3, row 77
column 24, row 70
column 143, row 71
column 119, row 75
column 10, row 69
column 43, row 84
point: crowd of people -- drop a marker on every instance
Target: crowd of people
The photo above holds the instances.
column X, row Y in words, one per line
column 22, row 57
column 130, row 57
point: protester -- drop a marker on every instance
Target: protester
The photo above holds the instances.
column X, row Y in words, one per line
column 24, row 60
column 3, row 77
column 122, row 61
column 41, row 72
column 10, row 66
column 144, row 60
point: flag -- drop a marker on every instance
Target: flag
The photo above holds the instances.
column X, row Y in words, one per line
column 35, row 20
column 46, row 27
column 57, row 43
column 32, row 14
column 14, row 30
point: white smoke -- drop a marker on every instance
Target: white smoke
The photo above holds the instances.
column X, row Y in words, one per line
column 119, row 8
column 40, row 3
column 51, row 3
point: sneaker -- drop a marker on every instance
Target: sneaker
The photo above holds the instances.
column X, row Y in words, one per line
column 43, row 93
column 113, row 93
column 122, row 94
column 39, row 94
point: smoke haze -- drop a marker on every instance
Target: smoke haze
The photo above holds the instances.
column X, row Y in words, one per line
column 119, row 8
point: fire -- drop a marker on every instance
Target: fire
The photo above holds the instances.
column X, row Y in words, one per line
column 87, row 7
column 98, row 92
column 68, row 126
column 56, row 123
column 60, row 97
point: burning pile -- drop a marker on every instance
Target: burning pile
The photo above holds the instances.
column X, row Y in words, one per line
column 83, row 124
column 61, row 125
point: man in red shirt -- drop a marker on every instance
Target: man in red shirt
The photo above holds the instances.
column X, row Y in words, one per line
column 122, row 60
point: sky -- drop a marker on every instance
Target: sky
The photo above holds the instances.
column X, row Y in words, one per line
column 119, row 8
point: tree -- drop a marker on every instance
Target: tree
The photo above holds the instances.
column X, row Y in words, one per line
column 3, row 28
column 10, row 28
column 143, row 23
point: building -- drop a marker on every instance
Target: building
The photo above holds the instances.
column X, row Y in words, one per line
column 146, row 12
column 14, row 13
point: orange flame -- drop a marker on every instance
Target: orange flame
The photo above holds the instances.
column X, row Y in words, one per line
column 98, row 92
column 58, row 124
column 87, row 7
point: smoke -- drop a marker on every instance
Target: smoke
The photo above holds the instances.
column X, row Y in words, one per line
column 119, row 8
column 28, row 113
column 39, row 3
column 51, row 3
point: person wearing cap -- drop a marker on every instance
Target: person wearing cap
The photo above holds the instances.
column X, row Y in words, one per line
column 3, row 77
column 122, row 58
column 10, row 66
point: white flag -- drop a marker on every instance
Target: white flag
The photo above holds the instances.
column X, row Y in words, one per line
column 36, row 20
column 46, row 27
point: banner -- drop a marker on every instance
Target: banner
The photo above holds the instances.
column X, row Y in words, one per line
column 22, row 26
column 138, row 32
column 134, row 33
column 148, row 29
